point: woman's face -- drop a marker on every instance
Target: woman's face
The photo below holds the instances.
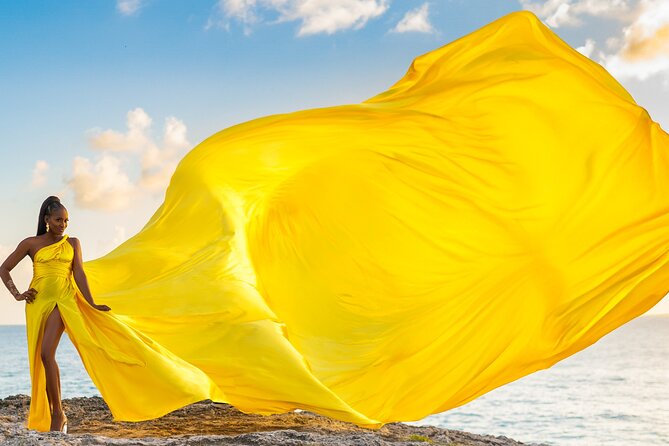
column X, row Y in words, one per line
column 57, row 221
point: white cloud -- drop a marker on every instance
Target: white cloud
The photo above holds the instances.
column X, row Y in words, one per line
column 39, row 173
column 329, row 16
column 175, row 134
column 644, row 49
column 640, row 49
column 158, row 164
column 316, row 16
column 101, row 185
column 136, row 139
column 553, row 12
column 240, row 10
column 415, row 20
column 558, row 13
column 106, row 185
column 128, row 7
column 588, row 48
column 157, row 168
column 605, row 8
column 243, row 10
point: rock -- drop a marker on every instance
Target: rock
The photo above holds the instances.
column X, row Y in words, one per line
column 206, row 423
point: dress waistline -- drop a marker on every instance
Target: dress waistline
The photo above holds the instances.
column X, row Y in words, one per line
column 52, row 269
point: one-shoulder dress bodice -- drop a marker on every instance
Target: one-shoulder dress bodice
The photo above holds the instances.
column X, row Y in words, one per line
column 54, row 260
column 52, row 271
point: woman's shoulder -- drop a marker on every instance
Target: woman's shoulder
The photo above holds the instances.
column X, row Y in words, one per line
column 29, row 242
column 73, row 241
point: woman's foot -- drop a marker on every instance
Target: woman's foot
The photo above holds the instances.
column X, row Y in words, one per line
column 59, row 422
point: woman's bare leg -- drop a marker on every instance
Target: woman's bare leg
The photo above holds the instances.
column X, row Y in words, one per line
column 52, row 332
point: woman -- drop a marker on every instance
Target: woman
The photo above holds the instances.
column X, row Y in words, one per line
column 56, row 260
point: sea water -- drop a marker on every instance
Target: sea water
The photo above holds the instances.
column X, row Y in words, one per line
column 615, row 392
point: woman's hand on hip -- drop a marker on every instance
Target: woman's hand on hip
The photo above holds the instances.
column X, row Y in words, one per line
column 28, row 296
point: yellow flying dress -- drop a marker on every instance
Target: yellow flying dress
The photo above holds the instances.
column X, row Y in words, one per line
column 501, row 207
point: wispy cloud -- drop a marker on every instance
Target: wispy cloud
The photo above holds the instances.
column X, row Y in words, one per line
column 415, row 20
column 39, row 173
column 558, row 13
column 129, row 7
column 315, row 16
column 107, row 183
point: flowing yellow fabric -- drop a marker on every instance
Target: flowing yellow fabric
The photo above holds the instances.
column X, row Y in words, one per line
column 501, row 207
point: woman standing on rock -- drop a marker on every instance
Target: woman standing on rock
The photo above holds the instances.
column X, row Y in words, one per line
column 51, row 307
column 137, row 377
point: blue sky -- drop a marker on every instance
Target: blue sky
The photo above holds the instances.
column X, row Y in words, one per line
column 76, row 74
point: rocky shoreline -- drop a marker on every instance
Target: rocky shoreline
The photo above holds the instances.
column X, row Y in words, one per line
column 207, row 424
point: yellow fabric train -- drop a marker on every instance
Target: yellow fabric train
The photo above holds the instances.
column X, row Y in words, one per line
column 501, row 207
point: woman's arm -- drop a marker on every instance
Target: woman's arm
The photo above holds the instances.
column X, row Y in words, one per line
column 10, row 262
column 80, row 276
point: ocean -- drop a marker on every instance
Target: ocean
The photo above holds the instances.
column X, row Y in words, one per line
column 615, row 392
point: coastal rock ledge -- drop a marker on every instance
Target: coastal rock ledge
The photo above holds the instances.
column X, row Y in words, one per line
column 206, row 423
